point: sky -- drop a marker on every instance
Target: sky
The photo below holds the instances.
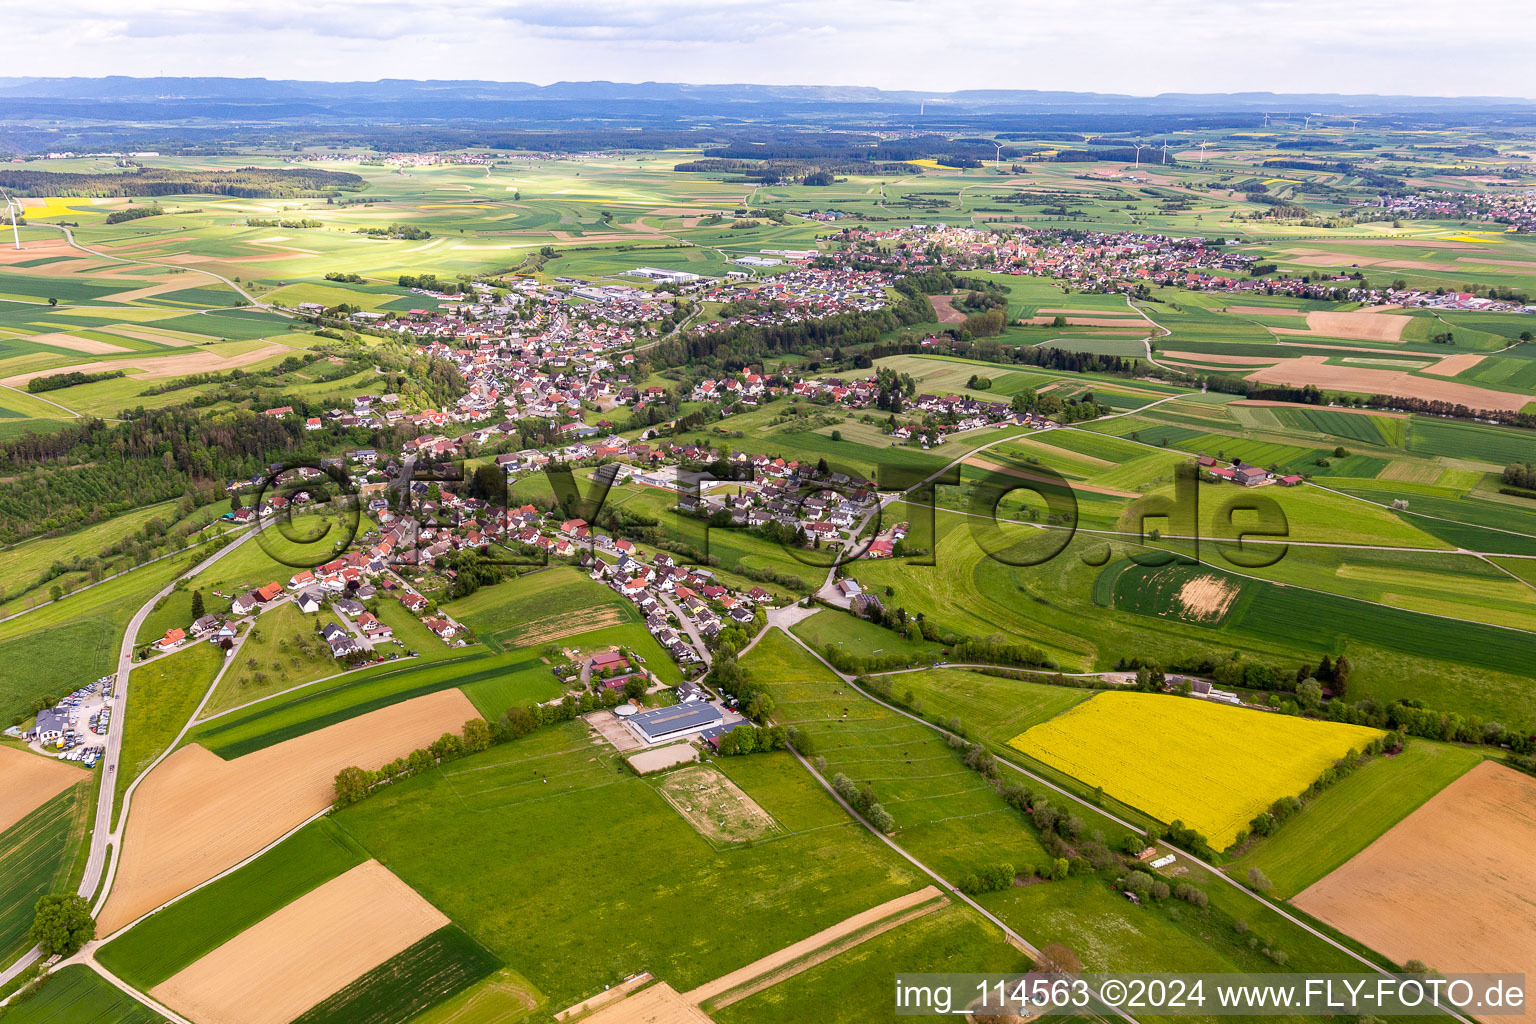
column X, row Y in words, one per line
column 1140, row 47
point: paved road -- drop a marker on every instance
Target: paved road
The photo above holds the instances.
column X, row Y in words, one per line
column 1209, row 868
column 101, row 833
column 70, row 412
column 1014, row 938
column 69, row 237
column 697, row 641
column 108, row 579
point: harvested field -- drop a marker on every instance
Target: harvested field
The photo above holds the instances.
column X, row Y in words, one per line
column 659, row 1004
column 1443, row 885
column 281, row 966
column 74, row 344
column 1522, row 264
column 165, row 366
column 1450, row 366
column 1084, row 321
column 661, row 758
column 1217, row 357
column 196, row 814
column 38, row 250
column 1315, row 370
column 27, row 781
column 175, row 284
column 1266, row 310
column 803, row 954
column 554, row 627
column 1206, row 598
column 716, row 807
column 1360, row 325
column 944, row 308
column 150, row 334
column 1316, row 258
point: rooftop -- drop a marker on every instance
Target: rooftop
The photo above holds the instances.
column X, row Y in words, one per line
column 662, row 722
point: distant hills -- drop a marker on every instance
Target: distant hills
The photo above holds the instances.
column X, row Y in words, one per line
column 191, row 96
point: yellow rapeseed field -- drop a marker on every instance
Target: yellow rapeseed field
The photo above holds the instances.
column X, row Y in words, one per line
column 1211, row 766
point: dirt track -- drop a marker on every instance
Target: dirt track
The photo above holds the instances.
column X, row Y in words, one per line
column 659, row 1004
column 1448, row 884
column 1043, row 478
column 943, row 307
column 27, row 781
column 310, row 949
column 197, row 814
column 805, row 947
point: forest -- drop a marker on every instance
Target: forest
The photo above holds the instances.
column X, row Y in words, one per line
column 244, row 182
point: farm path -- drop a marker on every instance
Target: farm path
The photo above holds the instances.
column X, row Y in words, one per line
column 1003, row 759
column 69, row 236
column 828, row 591
column 1014, row 938
column 107, row 579
column 101, row 835
column 40, row 398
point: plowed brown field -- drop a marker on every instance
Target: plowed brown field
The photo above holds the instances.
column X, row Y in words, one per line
column 27, row 781
column 1447, row 884
column 196, row 814
column 310, row 949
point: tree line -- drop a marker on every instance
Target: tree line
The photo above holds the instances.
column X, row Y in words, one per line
column 244, row 182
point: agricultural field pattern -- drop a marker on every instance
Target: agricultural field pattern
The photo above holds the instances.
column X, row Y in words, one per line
column 701, row 554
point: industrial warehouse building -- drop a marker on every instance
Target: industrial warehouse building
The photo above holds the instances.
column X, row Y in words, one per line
column 663, row 724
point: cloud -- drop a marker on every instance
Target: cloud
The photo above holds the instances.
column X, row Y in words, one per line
column 1132, row 46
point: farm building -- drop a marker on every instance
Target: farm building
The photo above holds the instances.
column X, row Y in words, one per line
column 52, row 724
column 663, row 724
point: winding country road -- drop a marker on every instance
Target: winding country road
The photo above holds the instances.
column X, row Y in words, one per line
column 103, row 837
column 69, row 236
column 1003, row 761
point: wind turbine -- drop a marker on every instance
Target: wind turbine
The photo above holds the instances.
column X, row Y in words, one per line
column 1165, row 151
column 15, row 234
column 1139, row 147
column 1203, row 144
column 1266, row 120
column 999, row 146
